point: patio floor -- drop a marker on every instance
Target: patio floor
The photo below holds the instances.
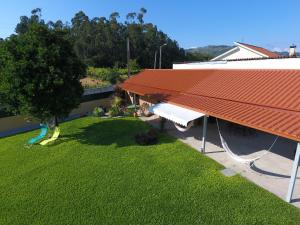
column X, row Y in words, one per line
column 272, row 172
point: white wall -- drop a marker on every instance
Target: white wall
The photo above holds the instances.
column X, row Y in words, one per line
column 239, row 52
column 284, row 63
column 242, row 53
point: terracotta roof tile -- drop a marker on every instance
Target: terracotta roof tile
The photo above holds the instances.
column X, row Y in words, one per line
column 267, row 100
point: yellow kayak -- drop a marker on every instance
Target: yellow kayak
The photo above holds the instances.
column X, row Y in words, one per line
column 53, row 138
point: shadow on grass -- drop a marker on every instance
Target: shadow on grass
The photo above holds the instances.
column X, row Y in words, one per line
column 107, row 132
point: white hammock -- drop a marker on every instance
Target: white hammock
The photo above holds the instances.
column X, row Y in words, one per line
column 184, row 129
column 237, row 157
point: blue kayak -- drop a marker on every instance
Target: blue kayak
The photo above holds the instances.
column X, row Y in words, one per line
column 42, row 134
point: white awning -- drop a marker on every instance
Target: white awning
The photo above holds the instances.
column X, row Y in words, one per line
column 175, row 113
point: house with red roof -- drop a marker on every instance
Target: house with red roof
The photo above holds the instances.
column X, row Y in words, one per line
column 246, row 51
column 246, row 56
column 261, row 93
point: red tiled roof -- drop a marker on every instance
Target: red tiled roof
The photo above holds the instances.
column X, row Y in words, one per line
column 268, row 100
column 261, row 50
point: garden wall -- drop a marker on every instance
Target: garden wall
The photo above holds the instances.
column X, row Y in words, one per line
column 14, row 124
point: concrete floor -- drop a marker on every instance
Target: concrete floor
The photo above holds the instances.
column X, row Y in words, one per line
column 271, row 172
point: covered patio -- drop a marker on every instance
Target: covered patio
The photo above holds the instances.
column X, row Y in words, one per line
column 265, row 100
column 271, row 172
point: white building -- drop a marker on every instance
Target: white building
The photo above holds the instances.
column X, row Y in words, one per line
column 245, row 56
column 279, row 63
column 246, row 51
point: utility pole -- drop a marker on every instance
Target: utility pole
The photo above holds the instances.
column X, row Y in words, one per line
column 155, row 59
column 128, row 57
column 160, row 48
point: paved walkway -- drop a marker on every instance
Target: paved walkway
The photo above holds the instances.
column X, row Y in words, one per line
column 272, row 172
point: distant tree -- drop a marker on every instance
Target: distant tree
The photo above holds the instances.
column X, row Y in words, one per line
column 197, row 56
column 40, row 73
column 130, row 18
column 58, row 25
column 101, row 42
column 25, row 21
column 141, row 14
column 114, row 16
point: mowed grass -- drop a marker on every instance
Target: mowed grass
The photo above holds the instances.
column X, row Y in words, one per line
column 96, row 174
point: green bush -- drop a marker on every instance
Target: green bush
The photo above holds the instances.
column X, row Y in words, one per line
column 98, row 111
column 115, row 109
column 148, row 138
column 99, row 73
column 113, row 112
column 134, row 66
column 129, row 111
column 111, row 75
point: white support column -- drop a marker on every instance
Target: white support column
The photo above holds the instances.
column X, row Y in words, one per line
column 204, row 134
column 133, row 99
column 294, row 174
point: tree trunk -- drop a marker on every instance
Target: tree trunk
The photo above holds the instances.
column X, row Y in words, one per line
column 162, row 124
column 56, row 121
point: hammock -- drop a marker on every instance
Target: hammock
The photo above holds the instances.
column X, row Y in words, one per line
column 53, row 138
column 42, row 134
column 237, row 157
column 182, row 128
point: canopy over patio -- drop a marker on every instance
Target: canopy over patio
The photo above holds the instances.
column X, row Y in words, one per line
column 175, row 113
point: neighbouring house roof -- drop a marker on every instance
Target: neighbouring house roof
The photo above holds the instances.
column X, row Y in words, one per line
column 261, row 50
column 249, row 52
column 267, row 100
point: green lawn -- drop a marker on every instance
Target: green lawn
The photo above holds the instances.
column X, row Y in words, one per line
column 96, row 174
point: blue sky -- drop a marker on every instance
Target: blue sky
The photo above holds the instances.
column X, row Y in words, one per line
column 268, row 23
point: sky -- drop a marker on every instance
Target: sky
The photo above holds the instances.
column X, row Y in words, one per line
column 273, row 24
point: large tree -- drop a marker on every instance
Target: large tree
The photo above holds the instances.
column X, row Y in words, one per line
column 101, row 42
column 40, row 73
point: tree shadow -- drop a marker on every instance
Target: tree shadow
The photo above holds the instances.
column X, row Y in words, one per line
column 120, row 132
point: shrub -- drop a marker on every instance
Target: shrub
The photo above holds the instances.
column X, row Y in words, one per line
column 111, row 75
column 115, row 109
column 134, row 66
column 129, row 111
column 98, row 111
column 113, row 112
column 116, row 102
column 149, row 138
column 145, row 110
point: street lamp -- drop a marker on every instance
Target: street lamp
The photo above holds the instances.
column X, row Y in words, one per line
column 155, row 59
column 160, row 47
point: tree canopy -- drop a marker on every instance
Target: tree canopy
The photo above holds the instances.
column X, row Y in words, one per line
column 101, row 41
column 40, row 73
